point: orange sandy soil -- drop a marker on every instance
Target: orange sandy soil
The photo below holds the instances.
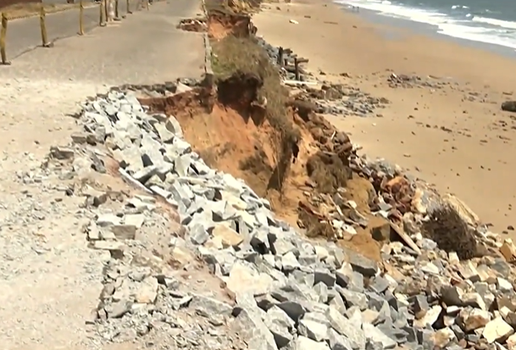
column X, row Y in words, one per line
column 463, row 147
column 232, row 143
column 225, row 140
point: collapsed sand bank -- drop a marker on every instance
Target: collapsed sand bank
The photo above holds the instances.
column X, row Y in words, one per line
column 454, row 136
column 272, row 137
column 229, row 139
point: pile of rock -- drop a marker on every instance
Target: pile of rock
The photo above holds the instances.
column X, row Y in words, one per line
column 168, row 88
column 285, row 292
column 400, row 195
column 412, row 81
column 341, row 99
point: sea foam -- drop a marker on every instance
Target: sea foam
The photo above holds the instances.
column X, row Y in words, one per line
column 461, row 25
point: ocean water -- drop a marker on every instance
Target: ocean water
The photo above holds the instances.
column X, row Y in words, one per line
column 490, row 22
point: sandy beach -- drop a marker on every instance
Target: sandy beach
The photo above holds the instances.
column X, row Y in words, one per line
column 455, row 137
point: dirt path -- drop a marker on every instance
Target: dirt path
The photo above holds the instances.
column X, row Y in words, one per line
column 49, row 279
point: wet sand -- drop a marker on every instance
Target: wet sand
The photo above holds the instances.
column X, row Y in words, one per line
column 455, row 137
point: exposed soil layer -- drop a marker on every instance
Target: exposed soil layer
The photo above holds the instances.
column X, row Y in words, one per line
column 231, row 139
column 221, row 24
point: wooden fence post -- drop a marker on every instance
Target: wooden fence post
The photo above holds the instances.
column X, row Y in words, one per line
column 296, row 67
column 117, row 18
column 81, row 18
column 101, row 14
column 106, row 11
column 3, row 34
column 297, row 62
column 280, row 56
column 43, row 27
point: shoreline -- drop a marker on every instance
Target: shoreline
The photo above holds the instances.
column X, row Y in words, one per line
column 428, row 30
column 454, row 137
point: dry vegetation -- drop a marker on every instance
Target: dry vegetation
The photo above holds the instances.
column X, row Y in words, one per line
column 328, row 172
column 233, row 7
column 451, row 233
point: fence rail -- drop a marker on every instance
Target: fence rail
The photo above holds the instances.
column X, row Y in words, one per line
column 18, row 37
column 4, row 3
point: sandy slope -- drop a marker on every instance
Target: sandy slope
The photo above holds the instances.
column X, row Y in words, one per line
column 456, row 137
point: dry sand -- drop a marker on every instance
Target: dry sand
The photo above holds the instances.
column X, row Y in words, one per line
column 464, row 147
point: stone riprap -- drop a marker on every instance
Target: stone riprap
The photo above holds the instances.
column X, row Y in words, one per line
column 268, row 287
column 414, row 81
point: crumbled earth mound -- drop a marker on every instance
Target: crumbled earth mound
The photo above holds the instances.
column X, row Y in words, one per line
column 278, row 145
column 222, row 23
column 237, row 138
column 286, row 152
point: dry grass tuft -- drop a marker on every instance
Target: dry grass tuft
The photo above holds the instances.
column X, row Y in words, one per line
column 328, row 172
column 451, row 233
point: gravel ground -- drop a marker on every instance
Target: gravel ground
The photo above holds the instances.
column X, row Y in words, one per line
column 49, row 279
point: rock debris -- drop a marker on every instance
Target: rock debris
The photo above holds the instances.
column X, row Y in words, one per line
column 194, row 259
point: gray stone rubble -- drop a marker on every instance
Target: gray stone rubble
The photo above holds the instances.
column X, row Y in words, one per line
column 414, row 81
column 266, row 286
column 336, row 99
column 340, row 99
